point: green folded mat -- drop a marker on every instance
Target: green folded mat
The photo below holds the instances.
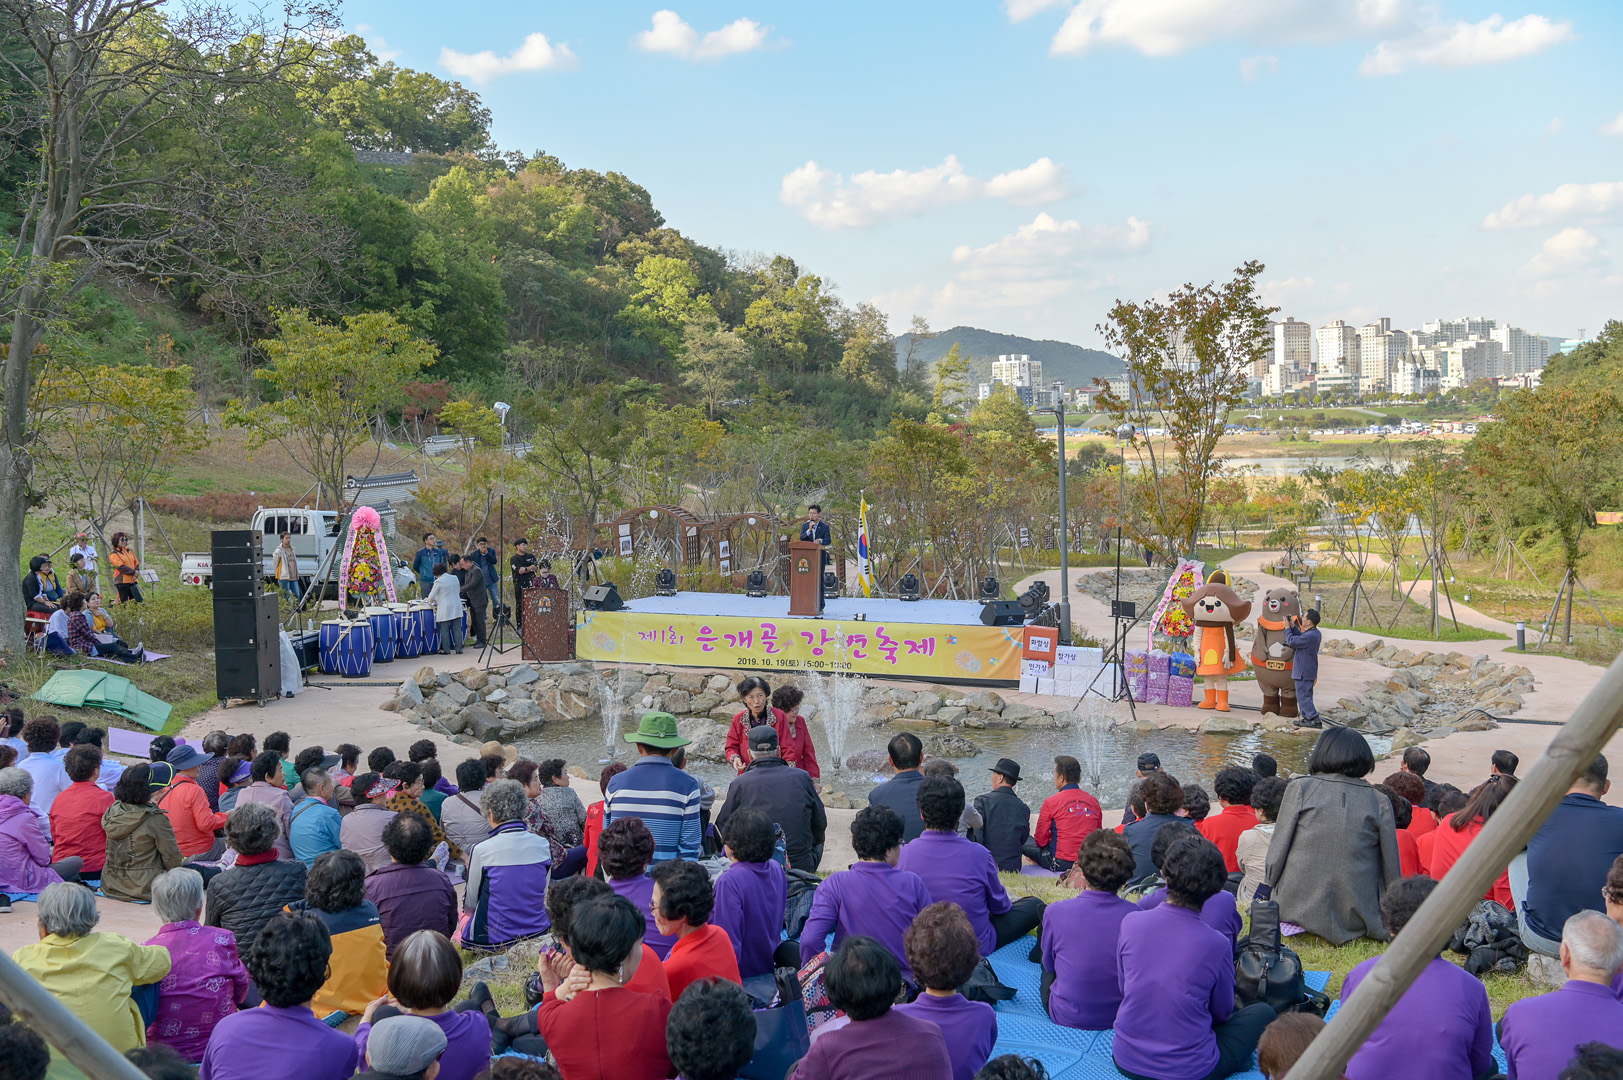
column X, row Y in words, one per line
column 81, row 688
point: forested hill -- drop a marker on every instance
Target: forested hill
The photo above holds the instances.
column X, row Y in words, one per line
column 1073, row 364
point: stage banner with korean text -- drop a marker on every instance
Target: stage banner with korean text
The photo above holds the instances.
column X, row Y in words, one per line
column 909, row 650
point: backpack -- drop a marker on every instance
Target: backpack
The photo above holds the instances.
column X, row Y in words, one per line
column 797, row 909
column 1266, row 971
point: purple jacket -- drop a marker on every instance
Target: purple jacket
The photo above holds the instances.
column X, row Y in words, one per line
column 1441, row 1027
column 25, row 854
column 969, row 1028
column 1168, row 1010
column 1219, row 911
column 750, row 901
column 893, row 1045
column 411, row 898
column 1540, row 1035
column 1079, row 942
column 206, row 980
column 871, row 898
column 467, row 1043
column 961, row 871
column 640, row 891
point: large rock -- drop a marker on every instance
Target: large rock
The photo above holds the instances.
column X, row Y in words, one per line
column 1225, row 724
column 691, row 681
column 497, row 696
column 481, row 723
column 678, row 702
column 1474, row 721
column 523, row 675
column 522, row 711
column 870, row 761
column 951, row 714
column 576, row 684
column 426, row 676
column 1404, row 737
column 459, row 694
column 1014, row 714
column 473, row 678
column 703, row 702
column 949, row 746
column 723, row 713
column 709, row 738
column 983, row 701
column 718, row 684
column 441, row 704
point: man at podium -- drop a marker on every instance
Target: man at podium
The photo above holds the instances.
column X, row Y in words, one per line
column 815, row 530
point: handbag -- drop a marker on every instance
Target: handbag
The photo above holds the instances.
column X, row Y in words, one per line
column 1266, row 971
column 782, row 1036
column 984, row 985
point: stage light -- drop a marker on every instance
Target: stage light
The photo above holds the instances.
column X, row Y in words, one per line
column 1040, row 587
column 1031, row 602
column 990, row 589
column 908, row 588
column 604, row 597
column 755, row 584
column 665, row 582
column 831, row 585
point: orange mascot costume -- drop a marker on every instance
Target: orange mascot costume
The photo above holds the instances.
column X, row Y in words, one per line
column 1216, row 609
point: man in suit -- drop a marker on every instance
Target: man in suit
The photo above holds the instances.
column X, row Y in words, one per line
column 815, row 529
column 901, row 792
column 1303, row 636
column 1005, row 818
column 475, row 592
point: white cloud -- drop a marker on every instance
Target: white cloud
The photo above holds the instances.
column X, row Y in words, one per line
column 671, row 34
column 1253, row 67
column 1047, row 244
column 1567, row 252
column 1613, row 127
column 1040, row 182
column 1463, row 44
column 1555, row 126
column 1569, row 204
column 1020, row 10
column 536, row 54
column 827, row 199
column 375, row 42
column 1285, row 291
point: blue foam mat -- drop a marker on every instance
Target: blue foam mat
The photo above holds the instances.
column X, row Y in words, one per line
column 1023, row 1026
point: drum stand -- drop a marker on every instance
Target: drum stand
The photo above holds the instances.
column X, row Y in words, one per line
column 496, row 636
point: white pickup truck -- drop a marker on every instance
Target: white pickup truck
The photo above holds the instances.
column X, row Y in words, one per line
column 315, row 533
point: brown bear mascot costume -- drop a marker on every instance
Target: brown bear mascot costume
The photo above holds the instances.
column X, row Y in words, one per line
column 1271, row 656
column 1216, row 609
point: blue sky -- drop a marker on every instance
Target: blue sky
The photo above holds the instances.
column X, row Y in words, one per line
column 1020, row 165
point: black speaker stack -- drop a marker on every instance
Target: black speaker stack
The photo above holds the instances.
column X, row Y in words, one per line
column 247, row 642
column 604, row 597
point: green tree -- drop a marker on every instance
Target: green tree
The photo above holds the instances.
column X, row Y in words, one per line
column 713, row 361
column 869, row 356
column 951, row 382
column 333, row 385
column 1189, row 359
column 478, row 424
column 464, row 311
column 665, row 300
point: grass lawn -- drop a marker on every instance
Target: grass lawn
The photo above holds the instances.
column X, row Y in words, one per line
column 185, row 681
column 1332, row 592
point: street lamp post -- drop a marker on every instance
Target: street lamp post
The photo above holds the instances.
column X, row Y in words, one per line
column 1058, row 410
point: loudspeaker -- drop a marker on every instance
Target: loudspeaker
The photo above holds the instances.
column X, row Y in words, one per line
column 234, row 546
column 247, row 647
column 1002, row 613
column 237, row 589
column 605, row 597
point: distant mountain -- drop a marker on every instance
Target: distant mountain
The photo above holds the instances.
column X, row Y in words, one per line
column 1072, row 364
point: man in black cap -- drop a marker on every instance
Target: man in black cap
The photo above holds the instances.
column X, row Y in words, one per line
column 1147, row 763
column 523, row 564
column 1005, row 819
column 781, row 792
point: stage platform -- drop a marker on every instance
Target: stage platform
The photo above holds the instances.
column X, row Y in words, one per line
column 935, row 640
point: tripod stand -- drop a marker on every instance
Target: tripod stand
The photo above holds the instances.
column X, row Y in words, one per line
column 496, row 636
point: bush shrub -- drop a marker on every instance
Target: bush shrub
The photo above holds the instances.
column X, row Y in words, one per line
column 224, row 507
column 174, row 618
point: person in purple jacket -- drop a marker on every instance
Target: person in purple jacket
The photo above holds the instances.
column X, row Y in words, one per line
column 424, row 977
column 751, row 893
column 873, row 898
column 1079, row 987
column 1540, row 1035
column 1441, row 1028
column 965, row 872
column 863, row 978
column 943, row 951
column 411, row 894
column 1220, row 912
column 1177, row 1019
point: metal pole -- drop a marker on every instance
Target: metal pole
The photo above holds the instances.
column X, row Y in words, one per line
column 39, row 1009
column 1064, row 540
column 1595, row 721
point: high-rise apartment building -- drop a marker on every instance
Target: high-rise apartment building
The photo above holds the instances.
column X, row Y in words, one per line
column 1338, row 348
column 1524, row 351
column 1293, row 348
column 1017, row 369
column 1379, row 347
column 1443, row 331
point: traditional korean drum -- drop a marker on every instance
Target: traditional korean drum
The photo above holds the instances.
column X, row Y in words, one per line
column 346, row 647
column 428, row 631
column 406, row 642
column 382, row 620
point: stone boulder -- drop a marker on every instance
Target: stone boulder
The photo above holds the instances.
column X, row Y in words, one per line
column 523, row 675
column 1225, row 724
column 951, row 714
column 718, row 684
column 870, row 761
column 703, row 702
column 709, row 738
column 839, row 800
column 481, row 723
column 678, row 702
column 427, row 676
column 1015, row 715
column 983, row 701
column 497, row 696
column 473, row 678
column 1403, row 738
column 691, row 681
column 949, row 746
column 1474, row 721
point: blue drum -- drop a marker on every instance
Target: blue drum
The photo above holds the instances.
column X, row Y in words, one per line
column 428, row 631
column 383, row 641
column 346, row 648
column 406, row 642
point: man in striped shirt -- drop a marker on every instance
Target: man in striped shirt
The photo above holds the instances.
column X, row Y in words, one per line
column 655, row 790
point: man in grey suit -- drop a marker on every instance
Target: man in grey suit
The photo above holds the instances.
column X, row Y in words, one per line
column 901, row 792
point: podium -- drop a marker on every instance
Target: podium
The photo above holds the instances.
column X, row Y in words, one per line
column 805, row 577
column 546, row 625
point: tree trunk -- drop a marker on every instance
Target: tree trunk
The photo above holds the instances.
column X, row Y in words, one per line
column 16, row 467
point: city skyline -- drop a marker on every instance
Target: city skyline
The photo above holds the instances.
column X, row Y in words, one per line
column 1021, row 165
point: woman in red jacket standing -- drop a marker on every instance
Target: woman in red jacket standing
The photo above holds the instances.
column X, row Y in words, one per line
column 758, row 712
column 794, row 737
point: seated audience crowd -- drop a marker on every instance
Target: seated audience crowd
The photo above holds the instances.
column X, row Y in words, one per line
column 297, row 893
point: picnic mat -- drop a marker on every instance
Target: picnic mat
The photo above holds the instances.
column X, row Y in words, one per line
column 148, row 657
column 83, row 688
column 1023, row 1026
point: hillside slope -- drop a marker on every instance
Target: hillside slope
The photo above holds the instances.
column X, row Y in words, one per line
column 1073, row 364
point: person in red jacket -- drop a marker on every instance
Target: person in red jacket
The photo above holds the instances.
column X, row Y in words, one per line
column 76, row 827
column 188, row 808
column 1066, row 819
column 1455, row 833
column 1233, row 786
column 1403, row 817
column 794, row 737
column 758, row 712
column 682, row 902
column 1411, row 787
column 594, row 816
